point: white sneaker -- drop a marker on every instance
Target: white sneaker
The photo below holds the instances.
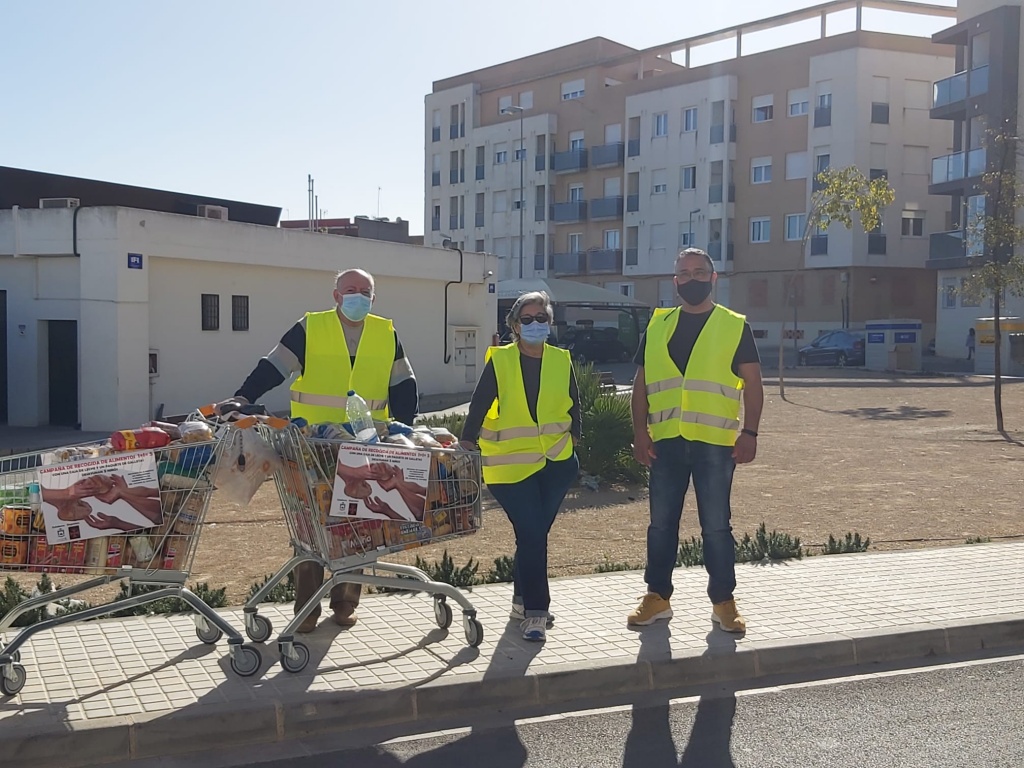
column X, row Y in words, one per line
column 518, row 613
column 534, row 629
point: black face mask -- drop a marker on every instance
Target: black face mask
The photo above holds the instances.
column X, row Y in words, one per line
column 694, row 292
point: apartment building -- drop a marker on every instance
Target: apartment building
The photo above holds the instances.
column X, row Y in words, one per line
column 983, row 94
column 609, row 160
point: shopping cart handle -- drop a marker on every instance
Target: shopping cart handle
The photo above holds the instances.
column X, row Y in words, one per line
column 213, row 411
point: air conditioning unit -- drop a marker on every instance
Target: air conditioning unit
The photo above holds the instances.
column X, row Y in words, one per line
column 59, row 202
column 212, row 212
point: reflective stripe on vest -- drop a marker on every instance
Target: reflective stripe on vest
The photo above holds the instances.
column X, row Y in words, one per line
column 320, row 393
column 512, row 444
column 703, row 403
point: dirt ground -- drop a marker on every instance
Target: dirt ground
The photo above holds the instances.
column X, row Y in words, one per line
column 908, row 462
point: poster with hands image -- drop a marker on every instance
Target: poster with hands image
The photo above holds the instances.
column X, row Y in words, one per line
column 98, row 497
column 380, row 482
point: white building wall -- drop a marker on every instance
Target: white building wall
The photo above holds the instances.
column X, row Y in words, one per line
column 954, row 316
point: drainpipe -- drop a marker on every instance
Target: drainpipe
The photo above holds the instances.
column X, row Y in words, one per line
column 74, row 233
column 447, row 243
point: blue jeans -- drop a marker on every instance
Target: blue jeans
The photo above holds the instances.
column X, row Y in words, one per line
column 711, row 467
column 532, row 506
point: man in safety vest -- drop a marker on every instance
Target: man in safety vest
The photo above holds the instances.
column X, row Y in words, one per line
column 340, row 349
column 697, row 362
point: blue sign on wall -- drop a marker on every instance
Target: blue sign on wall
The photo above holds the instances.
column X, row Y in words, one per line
column 134, row 261
column 906, row 337
column 491, row 288
column 876, row 338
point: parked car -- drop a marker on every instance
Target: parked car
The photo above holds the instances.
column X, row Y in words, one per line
column 834, row 348
column 598, row 345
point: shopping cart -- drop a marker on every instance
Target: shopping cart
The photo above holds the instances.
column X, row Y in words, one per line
column 345, row 546
column 157, row 558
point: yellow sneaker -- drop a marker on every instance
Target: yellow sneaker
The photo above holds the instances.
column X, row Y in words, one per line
column 653, row 607
column 727, row 616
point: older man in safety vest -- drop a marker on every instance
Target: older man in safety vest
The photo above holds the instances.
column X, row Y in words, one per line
column 333, row 352
column 697, row 362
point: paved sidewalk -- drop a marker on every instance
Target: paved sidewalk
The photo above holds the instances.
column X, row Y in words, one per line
column 114, row 689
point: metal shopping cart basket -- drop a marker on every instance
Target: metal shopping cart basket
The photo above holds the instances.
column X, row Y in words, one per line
column 318, row 502
column 132, row 517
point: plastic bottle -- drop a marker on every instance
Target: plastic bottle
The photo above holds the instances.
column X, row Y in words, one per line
column 360, row 419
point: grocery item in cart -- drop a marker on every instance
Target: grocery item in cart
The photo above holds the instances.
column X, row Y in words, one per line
column 245, row 463
column 139, row 439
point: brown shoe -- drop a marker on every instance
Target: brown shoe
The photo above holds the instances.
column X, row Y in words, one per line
column 728, row 617
column 343, row 619
column 308, row 625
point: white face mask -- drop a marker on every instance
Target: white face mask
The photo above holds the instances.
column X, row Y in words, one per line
column 355, row 306
column 535, row 333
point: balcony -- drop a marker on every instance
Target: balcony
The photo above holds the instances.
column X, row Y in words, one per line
column 822, row 117
column 435, row 179
column 715, row 193
column 540, row 162
column 955, row 89
column 632, row 203
column 435, row 224
column 819, row 245
column 606, row 208
column 566, row 162
column 478, row 219
column 961, row 165
column 457, row 131
column 539, row 212
column 633, row 150
column 567, row 264
column 718, row 133
column 479, row 173
column 566, row 212
column 632, row 257
column 435, row 133
column 943, row 246
column 876, row 244
column 607, row 155
column 604, row 262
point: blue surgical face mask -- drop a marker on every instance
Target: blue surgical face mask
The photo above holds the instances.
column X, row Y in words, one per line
column 356, row 306
column 535, row 333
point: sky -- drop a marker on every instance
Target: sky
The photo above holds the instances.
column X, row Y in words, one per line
column 243, row 99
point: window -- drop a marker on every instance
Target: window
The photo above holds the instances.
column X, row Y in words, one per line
column 913, row 223
column 949, row 293
column 239, row 313
column 822, row 163
column 966, row 300
column 879, row 113
column 519, row 151
column 517, row 199
column 825, row 100
column 760, row 230
column 880, row 100
column 612, row 240
column 574, row 89
column 689, row 119
column 576, row 141
column 796, row 165
column 796, row 223
column 500, row 153
column 685, row 236
column 480, row 246
column 659, row 182
column 798, row 102
column 575, row 242
column 761, row 170
column 661, row 124
column 688, row 177
column 504, row 103
column 576, row 193
column 526, row 99
column 764, row 109
column 210, row 311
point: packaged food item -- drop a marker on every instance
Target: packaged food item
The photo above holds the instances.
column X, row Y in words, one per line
column 443, row 436
column 189, row 515
column 142, row 549
column 440, row 523
column 195, row 432
column 398, row 533
column 43, row 557
column 15, row 496
column 96, row 555
column 174, row 552
column 139, row 439
column 401, row 440
column 323, row 493
column 245, row 463
column 74, row 557
column 15, row 521
column 171, row 429
column 14, row 550
column 423, row 438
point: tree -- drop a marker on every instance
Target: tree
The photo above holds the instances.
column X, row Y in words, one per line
column 838, row 195
column 991, row 237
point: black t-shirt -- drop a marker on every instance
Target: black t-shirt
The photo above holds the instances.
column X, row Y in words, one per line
column 680, row 346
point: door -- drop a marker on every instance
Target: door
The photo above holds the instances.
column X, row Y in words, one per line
column 3, row 357
column 63, row 372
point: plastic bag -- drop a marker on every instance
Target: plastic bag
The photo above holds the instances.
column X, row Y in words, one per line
column 246, row 461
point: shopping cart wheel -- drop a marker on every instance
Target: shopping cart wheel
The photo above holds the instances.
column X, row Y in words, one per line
column 12, row 685
column 474, row 633
column 246, row 661
column 208, row 633
column 258, row 628
column 288, row 664
column 442, row 613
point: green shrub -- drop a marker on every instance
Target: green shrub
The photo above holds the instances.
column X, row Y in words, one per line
column 608, row 566
column 447, row 573
column 453, row 422
column 606, row 447
column 852, row 543
column 215, row 598
column 284, row 592
column 978, row 540
column 691, row 553
column 768, row 546
column 503, row 571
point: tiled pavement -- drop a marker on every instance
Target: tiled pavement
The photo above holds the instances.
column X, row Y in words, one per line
column 144, row 684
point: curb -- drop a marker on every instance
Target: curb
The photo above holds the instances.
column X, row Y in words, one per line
column 270, row 720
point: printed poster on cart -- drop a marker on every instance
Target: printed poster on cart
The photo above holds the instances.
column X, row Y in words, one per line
column 380, row 482
column 98, row 497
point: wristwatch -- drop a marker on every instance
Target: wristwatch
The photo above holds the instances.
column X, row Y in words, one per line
column 750, row 432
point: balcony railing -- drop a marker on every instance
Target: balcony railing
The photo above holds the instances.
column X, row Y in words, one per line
column 479, row 173
column 572, row 160
column 819, row 245
column 478, row 219
column 876, row 244
column 956, row 88
column 607, row 154
column 539, row 212
column 435, row 179
column 718, row 133
column 632, row 257
column 822, row 117
column 606, row 208
column 435, row 224
column 540, row 162
column 633, row 148
column 604, row 262
column 946, row 245
column 567, row 264
column 632, row 203
column 715, row 192
column 958, row 166
column 435, row 133
column 574, row 211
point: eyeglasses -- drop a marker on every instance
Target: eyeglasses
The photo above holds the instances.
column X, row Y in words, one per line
column 529, row 319
column 697, row 274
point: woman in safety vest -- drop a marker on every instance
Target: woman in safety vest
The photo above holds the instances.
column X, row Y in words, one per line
column 525, row 417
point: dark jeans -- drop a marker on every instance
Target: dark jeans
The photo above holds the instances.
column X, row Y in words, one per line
column 309, row 577
column 532, row 505
column 711, row 467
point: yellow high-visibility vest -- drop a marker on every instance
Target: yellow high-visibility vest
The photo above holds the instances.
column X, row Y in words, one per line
column 702, row 404
column 512, row 444
column 319, row 395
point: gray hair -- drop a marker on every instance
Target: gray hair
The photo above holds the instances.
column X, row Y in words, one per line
column 362, row 272
column 532, row 297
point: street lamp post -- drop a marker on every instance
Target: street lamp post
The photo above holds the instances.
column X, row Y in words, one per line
column 510, row 110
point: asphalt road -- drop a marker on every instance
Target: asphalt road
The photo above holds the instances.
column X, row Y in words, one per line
column 942, row 718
